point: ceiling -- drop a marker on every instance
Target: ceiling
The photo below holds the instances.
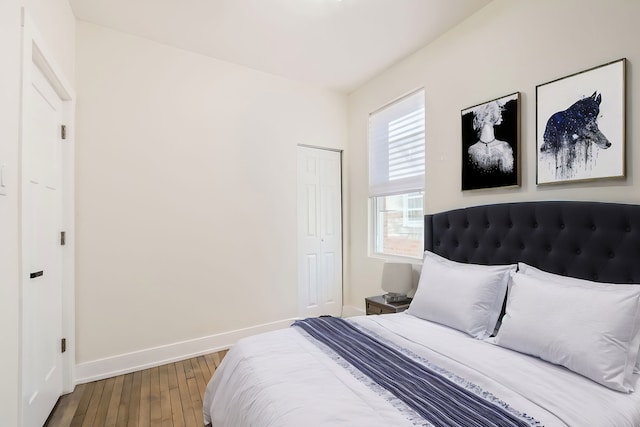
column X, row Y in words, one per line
column 336, row 44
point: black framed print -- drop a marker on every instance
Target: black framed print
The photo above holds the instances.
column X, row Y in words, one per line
column 491, row 144
column 580, row 125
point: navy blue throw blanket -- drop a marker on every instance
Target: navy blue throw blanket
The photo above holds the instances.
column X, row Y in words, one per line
column 437, row 399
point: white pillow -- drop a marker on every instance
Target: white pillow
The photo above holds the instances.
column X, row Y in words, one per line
column 528, row 270
column 594, row 331
column 544, row 275
column 467, row 297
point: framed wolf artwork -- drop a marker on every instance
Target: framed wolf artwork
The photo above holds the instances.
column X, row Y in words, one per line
column 580, row 125
column 491, row 144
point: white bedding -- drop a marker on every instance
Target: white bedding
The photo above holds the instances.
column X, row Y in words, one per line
column 281, row 378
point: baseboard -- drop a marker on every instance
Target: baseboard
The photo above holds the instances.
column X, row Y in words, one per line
column 351, row 311
column 149, row 358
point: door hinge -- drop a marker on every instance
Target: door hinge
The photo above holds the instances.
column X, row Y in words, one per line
column 63, row 238
column 63, row 131
column 63, row 345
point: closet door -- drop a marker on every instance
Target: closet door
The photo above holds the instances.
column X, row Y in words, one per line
column 319, row 232
column 42, row 369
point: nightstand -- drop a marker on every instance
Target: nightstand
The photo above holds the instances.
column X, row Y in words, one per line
column 377, row 305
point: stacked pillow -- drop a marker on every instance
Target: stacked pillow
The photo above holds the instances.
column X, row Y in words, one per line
column 467, row 297
column 590, row 328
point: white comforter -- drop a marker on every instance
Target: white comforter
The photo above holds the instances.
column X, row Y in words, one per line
column 281, row 378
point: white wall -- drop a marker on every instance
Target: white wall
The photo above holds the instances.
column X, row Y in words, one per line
column 9, row 267
column 506, row 47
column 56, row 23
column 186, row 192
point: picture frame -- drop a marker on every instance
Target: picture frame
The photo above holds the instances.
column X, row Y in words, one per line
column 491, row 144
column 580, row 125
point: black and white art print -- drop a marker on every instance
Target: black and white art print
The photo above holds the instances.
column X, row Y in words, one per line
column 490, row 144
column 581, row 125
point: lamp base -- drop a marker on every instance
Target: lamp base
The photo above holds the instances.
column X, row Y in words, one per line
column 392, row 297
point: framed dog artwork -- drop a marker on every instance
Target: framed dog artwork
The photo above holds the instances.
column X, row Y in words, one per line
column 580, row 125
column 491, row 144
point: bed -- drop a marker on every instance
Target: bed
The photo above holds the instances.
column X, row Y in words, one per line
column 526, row 314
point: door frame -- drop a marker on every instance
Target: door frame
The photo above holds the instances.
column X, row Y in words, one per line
column 342, row 228
column 35, row 52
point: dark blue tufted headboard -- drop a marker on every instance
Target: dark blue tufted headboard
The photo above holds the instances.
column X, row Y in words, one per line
column 588, row 240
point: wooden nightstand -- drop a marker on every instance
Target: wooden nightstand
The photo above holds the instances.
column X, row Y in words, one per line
column 377, row 305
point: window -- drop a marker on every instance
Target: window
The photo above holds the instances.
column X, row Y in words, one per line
column 412, row 215
column 396, row 177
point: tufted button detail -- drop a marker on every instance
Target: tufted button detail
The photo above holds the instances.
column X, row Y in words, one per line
column 498, row 244
column 476, row 245
column 562, row 226
column 535, row 225
column 627, row 229
column 437, row 242
column 593, row 227
column 522, row 246
column 548, row 248
column 448, row 226
column 510, row 224
column 486, row 225
column 578, row 251
column 611, row 255
column 466, row 224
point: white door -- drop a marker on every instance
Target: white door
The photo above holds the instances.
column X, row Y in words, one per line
column 319, row 232
column 41, row 251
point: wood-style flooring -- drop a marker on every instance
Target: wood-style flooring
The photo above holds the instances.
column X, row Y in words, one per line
column 168, row 395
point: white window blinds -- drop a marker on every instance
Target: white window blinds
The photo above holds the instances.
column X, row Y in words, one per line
column 396, row 147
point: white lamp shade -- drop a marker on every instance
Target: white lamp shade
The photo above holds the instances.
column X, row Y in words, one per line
column 396, row 277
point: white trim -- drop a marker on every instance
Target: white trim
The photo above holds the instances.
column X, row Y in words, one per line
column 317, row 147
column 352, row 311
column 156, row 356
column 35, row 52
column 69, row 250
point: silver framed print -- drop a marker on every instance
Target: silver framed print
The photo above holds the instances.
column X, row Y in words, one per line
column 491, row 144
column 580, row 125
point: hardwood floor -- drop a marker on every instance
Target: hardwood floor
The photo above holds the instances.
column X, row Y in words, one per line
column 168, row 395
